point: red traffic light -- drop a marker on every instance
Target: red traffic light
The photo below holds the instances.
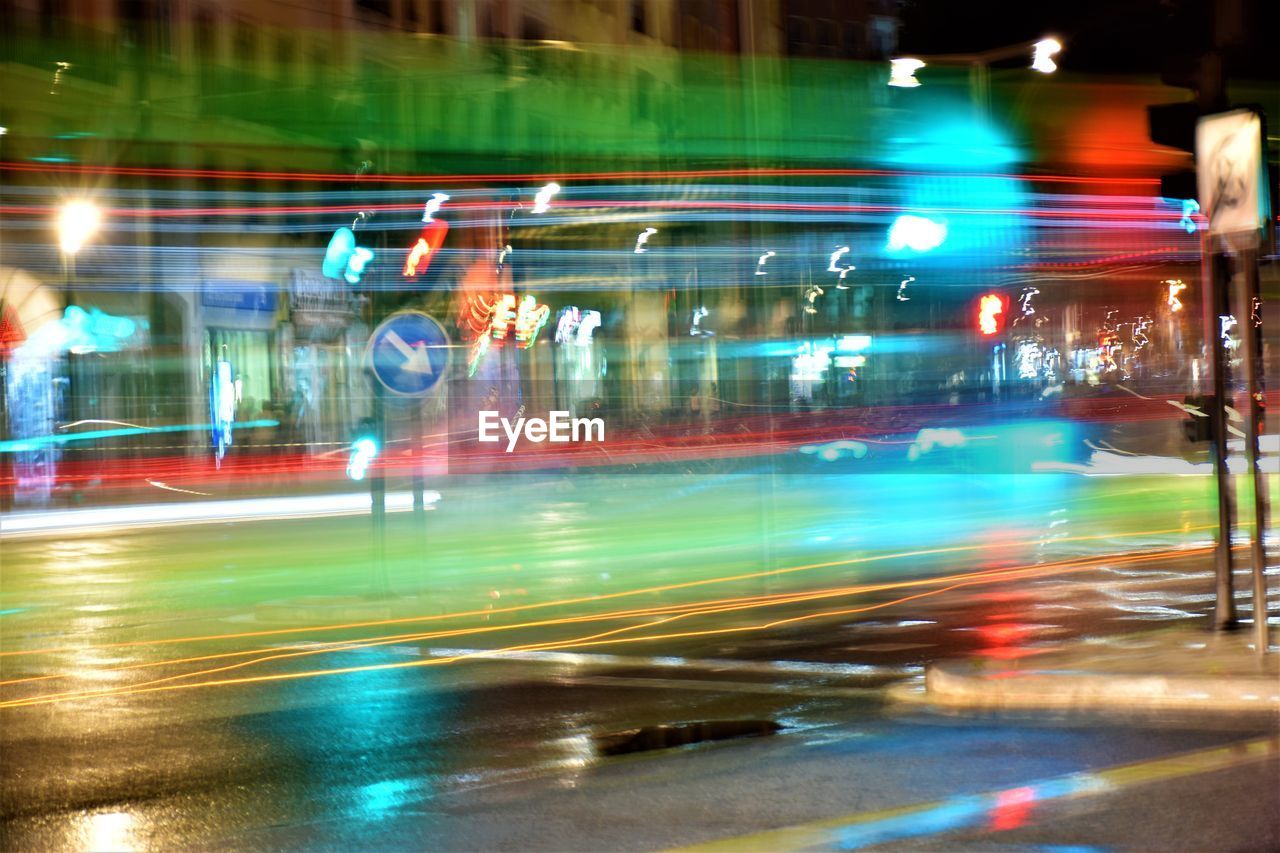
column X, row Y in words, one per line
column 421, row 252
column 993, row 309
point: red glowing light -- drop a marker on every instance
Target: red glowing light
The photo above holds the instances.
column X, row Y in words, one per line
column 990, row 313
column 429, row 242
column 1012, row 808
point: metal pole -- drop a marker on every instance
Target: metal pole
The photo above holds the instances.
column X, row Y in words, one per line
column 419, row 483
column 1217, row 304
column 1247, row 285
column 378, row 493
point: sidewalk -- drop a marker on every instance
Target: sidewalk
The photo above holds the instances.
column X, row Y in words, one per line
column 1181, row 668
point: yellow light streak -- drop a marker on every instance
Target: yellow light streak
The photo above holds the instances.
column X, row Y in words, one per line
column 706, row 606
column 922, row 552
column 611, row 636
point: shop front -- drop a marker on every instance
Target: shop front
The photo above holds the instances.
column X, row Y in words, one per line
column 320, row 351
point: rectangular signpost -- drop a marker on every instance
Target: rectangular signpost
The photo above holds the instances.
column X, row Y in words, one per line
column 1233, row 190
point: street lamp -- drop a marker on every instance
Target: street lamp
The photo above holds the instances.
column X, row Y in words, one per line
column 542, row 201
column 78, row 221
column 1045, row 50
column 902, row 70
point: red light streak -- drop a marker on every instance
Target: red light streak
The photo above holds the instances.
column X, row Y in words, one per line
column 656, row 206
column 538, row 177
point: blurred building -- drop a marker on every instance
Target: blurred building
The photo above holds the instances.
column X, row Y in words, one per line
column 232, row 139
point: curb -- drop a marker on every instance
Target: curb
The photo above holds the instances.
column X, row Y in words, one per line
column 1079, row 691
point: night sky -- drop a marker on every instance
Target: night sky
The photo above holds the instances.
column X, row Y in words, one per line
column 1125, row 36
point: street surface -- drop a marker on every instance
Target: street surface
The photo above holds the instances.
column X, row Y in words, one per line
column 266, row 684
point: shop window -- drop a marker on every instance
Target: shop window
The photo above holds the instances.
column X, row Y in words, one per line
column 250, row 355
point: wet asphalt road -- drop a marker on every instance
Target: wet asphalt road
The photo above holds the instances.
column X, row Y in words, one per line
column 498, row 754
column 619, row 607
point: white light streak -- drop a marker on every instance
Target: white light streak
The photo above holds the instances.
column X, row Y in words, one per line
column 644, row 238
column 200, row 512
column 542, row 201
column 433, row 206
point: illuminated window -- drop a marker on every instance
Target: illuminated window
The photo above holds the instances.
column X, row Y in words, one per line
column 251, row 356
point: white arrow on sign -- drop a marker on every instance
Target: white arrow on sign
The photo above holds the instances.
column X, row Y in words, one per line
column 415, row 358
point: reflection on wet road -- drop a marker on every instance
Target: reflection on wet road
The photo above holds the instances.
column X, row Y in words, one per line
column 240, row 682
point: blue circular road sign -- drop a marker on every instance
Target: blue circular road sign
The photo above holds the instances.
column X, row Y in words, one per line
column 409, row 353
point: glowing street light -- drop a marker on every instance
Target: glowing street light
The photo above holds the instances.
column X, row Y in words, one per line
column 1045, row 50
column 542, row 201
column 903, row 69
column 78, row 221
column 917, row 233
column 432, row 206
column 902, row 72
column 764, row 259
column 643, row 239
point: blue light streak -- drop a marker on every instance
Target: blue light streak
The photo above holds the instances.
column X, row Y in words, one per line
column 36, row 442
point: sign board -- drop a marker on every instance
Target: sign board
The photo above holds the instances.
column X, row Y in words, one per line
column 318, row 303
column 409, row 353
column 1230, row 172
column 257, row 296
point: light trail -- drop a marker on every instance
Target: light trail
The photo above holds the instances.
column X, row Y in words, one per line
column 923, row 552
column 582, row 642
column 20, row 525
column 36, row 442
column 653, row 206
column 542, row 177
column 689, row 611
column 706, row 606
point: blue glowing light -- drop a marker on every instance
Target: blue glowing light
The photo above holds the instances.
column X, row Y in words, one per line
column 82, row 331
column 343, row 258
column 363, row 451
column 853, row 343
column 35, row 442
column 1190, row 207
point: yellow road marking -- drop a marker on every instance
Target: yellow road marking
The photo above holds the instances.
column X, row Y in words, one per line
column 875, row 827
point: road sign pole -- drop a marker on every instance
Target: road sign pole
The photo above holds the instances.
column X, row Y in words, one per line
column 408, row 356
column 378, row 495
column 1247, row 280
column 1216, row 305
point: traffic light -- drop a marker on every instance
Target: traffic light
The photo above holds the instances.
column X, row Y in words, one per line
column 1199, row 424
column 363, row 449
column 992, row 313
column 1174, row 125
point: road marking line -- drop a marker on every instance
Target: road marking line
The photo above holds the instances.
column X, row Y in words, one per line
column 706, row 686
column 774, row 667
column 863, row 829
